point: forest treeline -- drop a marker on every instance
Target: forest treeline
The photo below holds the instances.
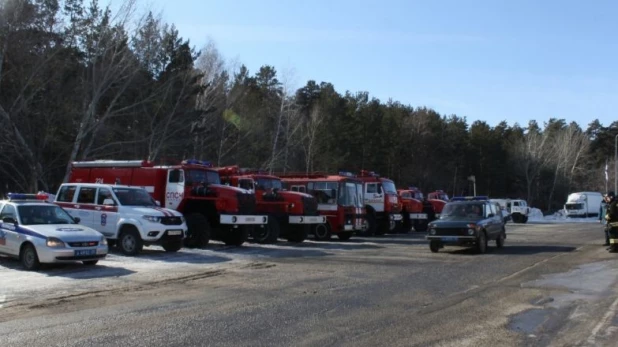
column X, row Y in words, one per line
column 79, row 81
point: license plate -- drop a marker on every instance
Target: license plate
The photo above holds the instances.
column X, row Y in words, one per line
column 174, row 232
column 85, row 252
column 250, row 219
column 449, row 238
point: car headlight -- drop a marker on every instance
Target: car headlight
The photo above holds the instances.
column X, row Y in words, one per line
column 103, row 241
column 55, row 242
column 182, row 219
column 432, row 231
column 153, row 219
column 470, row 232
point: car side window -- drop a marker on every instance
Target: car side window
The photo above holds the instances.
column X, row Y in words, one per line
column 8, row 211
column 103, row 194
column 86, row 195
column 66, row 194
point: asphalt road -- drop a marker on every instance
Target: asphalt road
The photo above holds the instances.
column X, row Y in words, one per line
column 551, row 285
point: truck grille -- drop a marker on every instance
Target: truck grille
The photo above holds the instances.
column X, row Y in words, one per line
column 84, row 244
column 452, row 231
column 310, row 206
column 171, row 220
column 246, row 203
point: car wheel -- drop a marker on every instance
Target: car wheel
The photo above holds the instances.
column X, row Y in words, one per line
column 90, row 262
column 130, row 242
column 29, row 258
column 481, row 243
column 434, row 246
column 500, row 240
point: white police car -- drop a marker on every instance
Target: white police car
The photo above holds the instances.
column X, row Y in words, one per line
column 36, row 232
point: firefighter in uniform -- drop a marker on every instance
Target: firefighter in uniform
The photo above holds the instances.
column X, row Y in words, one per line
column 612, row 220
column 602, row 212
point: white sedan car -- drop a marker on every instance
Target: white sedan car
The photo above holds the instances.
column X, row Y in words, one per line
column 38, row 232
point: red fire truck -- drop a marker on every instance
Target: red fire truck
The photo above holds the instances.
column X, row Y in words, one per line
column 290, row 214
column 417, row 211
column 193, row 188
column 382, row 203
column 340, row 200
column 438, row 199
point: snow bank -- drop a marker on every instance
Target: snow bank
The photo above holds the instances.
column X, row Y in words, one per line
column 536, row 215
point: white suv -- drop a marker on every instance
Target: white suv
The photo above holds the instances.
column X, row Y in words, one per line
column 519, row 210
column 127, row 216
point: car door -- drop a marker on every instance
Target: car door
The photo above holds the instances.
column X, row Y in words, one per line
column 85, row 206
column 374, row 196
column 9, row 239
column 105, row 215
column 493, row 216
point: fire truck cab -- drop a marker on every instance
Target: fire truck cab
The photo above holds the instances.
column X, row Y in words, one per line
column 381, row 202
column 211, row 210
column 290, row 214
column 339, row 198
column 438, row 199
column 416, row 210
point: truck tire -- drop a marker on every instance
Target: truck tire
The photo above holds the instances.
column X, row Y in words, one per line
column 236, row 236
column 524, row 219
column 269, row 233
column 198, row 233
column 297, row 233
column 322, row 232
column 29, row 258
column 406, row 224
column 90, row 262
column 383, row 228
column 129, row 241
column 372, row 224
column 344, row 236
column 172, row 246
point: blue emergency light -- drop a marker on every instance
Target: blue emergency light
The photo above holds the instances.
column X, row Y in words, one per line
column 470, row 198
column 21, row 196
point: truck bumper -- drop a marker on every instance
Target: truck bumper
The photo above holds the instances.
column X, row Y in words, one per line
column 418, row 215
column 306, row 220
column 396, row 217
column 243, row 219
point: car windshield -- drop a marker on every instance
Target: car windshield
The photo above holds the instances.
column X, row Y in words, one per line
column 417, row 195
column 202, row 176
column 268, row 183
column 389, row 187
column 462, row 211
column 43, row 214
column 134, row 197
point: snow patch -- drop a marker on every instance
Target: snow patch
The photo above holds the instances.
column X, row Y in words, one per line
column 536, row 215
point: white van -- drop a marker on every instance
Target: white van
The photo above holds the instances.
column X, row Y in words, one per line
column 583, row 204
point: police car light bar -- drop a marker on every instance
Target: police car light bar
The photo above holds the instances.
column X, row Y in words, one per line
column 20, row 196
column 470, row 198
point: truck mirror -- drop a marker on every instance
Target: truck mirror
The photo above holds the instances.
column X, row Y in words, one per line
column 108, row 202
column 77, row 220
